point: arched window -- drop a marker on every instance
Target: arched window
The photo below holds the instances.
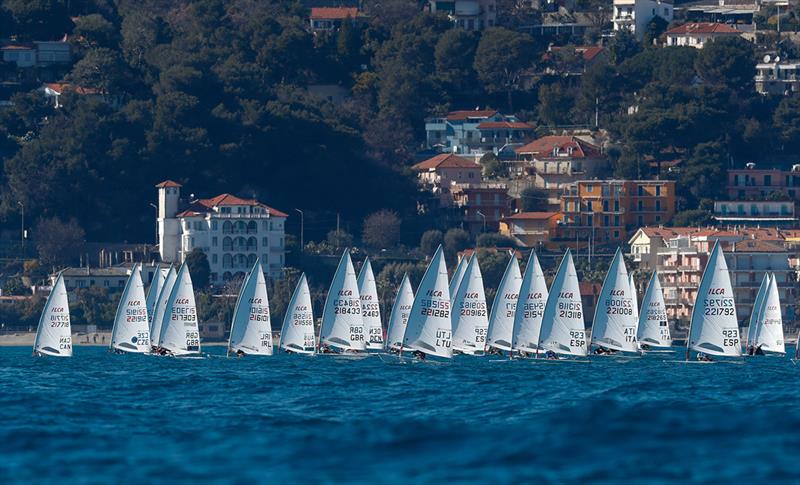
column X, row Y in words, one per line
column 264, row 242
column 252, row 243
column 251, row 259
column 227, row 227
column 239, row 244
column 227, row 261
column 226, row 276
column 241, row 227
column 240, row 261
column 227, row 244
column 252, row 227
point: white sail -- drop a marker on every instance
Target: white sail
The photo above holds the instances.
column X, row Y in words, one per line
column 714, row 328
column 563, row 328
column 398, row 319
column 251, row 329
column 180, row 332
column 159, row 276
column 297, row 333
column 653, row 323
column 370, row 307
column 457, row 275
column 160, row 309
column 54, row 333
column 769, row 336
column 131, row 330
column 470, row 316
column 342, row 323
column 634, row 296
column 614, row 325
column 501, row 321
column 530, row 307
column 429, row 327
column 753, row 325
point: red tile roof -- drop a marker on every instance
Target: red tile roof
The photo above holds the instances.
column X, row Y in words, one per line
column 544, row 147
column 477, row 113
column 445, row 160
column 333, row 13
column 531, row 216
column 702, row 28
column 508, row 125
column 18, row 47
column 168, row 183
column 588, row 52
column 62, row 88
column 756, row 246
column 203, row 206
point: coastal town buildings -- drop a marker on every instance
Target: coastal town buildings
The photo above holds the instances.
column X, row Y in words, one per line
column 476, row 132
column 467, row 14
column 757, row 184
column 530, row 229
column 231, row 231
column 756, row 212
column 680, row 254
column 777, row 76
column 37, row 53
column 482, row 206
column 599, row 212
column 330, row 19
column 439, row 173
column 697, row 34
column 634, row 15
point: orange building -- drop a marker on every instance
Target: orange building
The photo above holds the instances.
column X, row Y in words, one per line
column 601, row 212
column 530, row 229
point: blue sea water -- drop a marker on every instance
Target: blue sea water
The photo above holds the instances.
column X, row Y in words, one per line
column 101, row 418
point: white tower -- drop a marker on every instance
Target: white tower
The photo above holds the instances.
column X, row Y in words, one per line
column 169, row 193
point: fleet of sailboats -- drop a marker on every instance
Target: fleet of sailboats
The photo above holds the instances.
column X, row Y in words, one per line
column 444, row 317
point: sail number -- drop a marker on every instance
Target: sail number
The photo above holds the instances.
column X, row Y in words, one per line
column 719, row 307
column 533, row 310
column 730, row 337
column 356, row 333
column 435, row 308
column 443, row 338
column 473, row 308
column 346, row 307
column 577, row 338
column 618, row 306
column 570, row 309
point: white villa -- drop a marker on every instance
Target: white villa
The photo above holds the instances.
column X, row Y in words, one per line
column 231, row 231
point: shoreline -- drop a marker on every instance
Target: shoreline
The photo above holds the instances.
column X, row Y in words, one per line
column 99, row 339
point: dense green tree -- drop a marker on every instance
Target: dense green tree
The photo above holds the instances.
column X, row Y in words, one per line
column 431, row 240
column 456, row 240
column 654, row 29
column 692, row 218
column 96, row 30
column 533, row 199
column 454, row 55
column 623, row 46
column 555, row 105
column 703, row 171
column 727, row 61
column 37, row 19
column 492, row 166
column 494, row 240
column 381, row 229
column 501, row 58
column 101, row 68
column 339, row 239
column 197, row 261
column 787, row 123
column 59, row 243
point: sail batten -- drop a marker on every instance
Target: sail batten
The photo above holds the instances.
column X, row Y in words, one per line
column 54, row 332
column 342, row 321
column 429, row 328
column 470, row 320
column 251, row 328
column 530, row 307
column 131, row 331
column 297, row 333
column 501, row 321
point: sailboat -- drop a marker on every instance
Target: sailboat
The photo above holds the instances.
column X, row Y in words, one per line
column 653, row 324
column 429, row 329
column 470, row 320
column 753, row 325
column 131, row 331
column 530, row 308
column 501, row 321
column 370, row 307
column 342, row 323
column 398, row 319
column 251, row 329
column 768, row 337
column 180, row 332
column 714, row 328
column 297, row 333
column 634, row 297
column 614, row 324
column 160, row 308
column 159, row 276
column 54, row 333
column 455, row 281
column 563, row 330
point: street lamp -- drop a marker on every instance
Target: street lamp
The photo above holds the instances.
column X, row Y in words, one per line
column 302, row 226
column 22, row 229
column 484, row 219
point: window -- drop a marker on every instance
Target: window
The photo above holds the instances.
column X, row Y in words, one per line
column 252, row 227
column 658, row 190
column 605, row 220
column 589, row 187
column 641, row 190
column 767, row 180
column 640, row 206
column 658, row 219
column 227, row 244
column 589, row 220
column 214, row 241
column 264, row 242
column 213, row 225
column 227, row 227
column 616, row 234
column 616, row 206
column 265, row 225
column 106, row 283
column 605, row 206
column 640, row 220
column 214, row 258
column 658, row 205
column 616, row 220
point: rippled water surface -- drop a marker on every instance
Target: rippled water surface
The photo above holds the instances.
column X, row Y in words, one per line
column 105, row 418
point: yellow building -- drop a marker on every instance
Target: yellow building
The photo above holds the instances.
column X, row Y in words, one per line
column 600, row 212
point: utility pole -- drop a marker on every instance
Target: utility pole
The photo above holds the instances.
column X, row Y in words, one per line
column 22, row 230
column 302, row 224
